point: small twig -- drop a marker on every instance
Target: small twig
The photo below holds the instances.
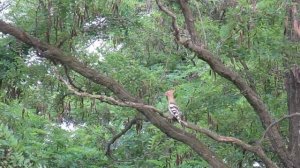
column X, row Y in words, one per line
column 275, row 123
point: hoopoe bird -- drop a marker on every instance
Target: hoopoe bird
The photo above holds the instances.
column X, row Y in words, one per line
column 173, row 108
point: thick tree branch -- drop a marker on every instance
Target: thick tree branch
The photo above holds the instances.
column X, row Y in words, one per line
column 189, row 20
column 216, row 64
column 127, row 127
column 161, row 123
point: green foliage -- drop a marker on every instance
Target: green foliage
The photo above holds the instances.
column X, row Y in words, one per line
column 138, row 50
column 31, row 140
column 11, row 152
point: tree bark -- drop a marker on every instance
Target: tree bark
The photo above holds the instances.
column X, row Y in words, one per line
column 293, row 96
column 293, row 83
column 51, row 53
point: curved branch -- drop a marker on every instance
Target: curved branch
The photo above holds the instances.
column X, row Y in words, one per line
column 70, row 80
column 128, row 126
column 174, row 20
column 275, row 123
column 256, row 149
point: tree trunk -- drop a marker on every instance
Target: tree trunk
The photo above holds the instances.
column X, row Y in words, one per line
column 293, row 84
column 293, row 95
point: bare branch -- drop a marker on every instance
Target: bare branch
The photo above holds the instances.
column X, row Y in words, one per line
column 70, row 80
column 127, row 127
column 103, row 98
column 254, row 149
column 275, row 123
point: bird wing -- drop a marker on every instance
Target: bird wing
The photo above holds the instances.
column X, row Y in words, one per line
column 174, row 110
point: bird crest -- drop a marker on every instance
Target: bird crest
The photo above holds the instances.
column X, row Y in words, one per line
column 170, row 92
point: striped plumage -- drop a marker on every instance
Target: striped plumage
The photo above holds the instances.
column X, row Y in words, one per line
column 173, row 108
column 175, row 112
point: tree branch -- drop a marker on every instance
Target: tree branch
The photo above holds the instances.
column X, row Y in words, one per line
column 254, row 149
column 189, row 21
column 275, row 123
column 174, row 21
column 102, row 98
column 70, row 81
column 127, row 127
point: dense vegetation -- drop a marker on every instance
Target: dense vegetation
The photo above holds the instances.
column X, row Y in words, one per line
column 75, row 86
